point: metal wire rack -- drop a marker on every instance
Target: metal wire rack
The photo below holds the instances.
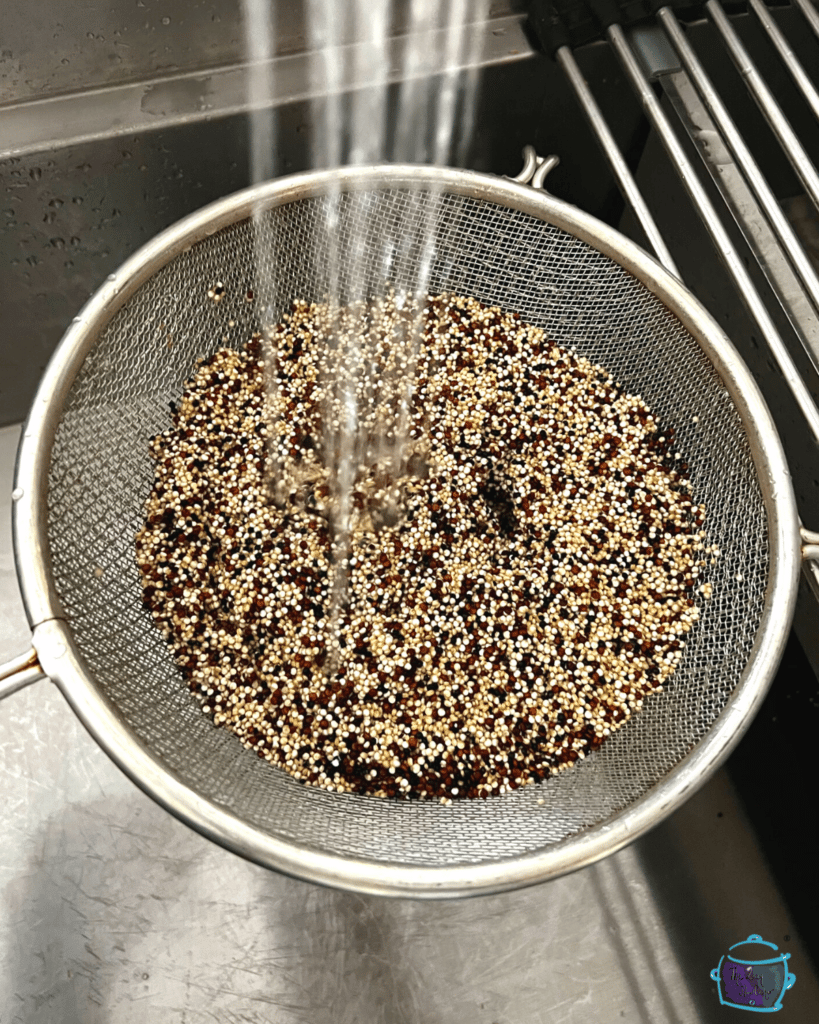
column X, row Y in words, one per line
column 679, row 99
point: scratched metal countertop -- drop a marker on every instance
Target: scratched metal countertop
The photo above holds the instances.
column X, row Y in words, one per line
column 112, row 912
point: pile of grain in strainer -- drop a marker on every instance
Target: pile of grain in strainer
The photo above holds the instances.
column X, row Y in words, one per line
column 530, row 587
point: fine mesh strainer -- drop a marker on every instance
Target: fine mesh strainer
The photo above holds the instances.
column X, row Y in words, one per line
column 84, row 472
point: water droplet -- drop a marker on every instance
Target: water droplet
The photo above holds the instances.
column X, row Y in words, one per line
column 58, row 243
column 68, row 264
column 111, row 277
column 77, row 200
column 65, row 60
column 32, row 260
column 56, row 203
column 59, row 649
column 75, row 240
column 17, row 493
column 166, row 21
column 77, row 320
column 35, row 173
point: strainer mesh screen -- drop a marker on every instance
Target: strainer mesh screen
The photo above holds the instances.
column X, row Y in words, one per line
column 101, row 475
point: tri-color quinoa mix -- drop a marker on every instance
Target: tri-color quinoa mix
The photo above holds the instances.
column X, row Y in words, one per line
column 511, row 597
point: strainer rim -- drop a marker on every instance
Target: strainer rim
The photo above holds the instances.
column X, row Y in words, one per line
column 64, row 664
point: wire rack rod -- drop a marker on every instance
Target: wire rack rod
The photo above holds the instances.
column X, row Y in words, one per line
column 619, row 167
column 810, row 13
column 789, row 58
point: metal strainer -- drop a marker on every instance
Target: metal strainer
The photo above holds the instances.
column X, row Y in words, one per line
column 84, row 472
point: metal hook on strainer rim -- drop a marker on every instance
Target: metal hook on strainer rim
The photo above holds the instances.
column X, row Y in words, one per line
column 535, row 168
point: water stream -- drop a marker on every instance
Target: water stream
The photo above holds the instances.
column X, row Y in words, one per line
column 402, row 113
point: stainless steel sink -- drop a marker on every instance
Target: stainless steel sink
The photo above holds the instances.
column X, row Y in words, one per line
column 112, row 910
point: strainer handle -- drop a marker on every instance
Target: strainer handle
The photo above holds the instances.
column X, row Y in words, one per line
column 16, row 674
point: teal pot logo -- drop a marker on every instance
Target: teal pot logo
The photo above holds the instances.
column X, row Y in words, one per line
column 753, row 975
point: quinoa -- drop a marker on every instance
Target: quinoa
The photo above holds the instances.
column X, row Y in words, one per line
column 512, row 592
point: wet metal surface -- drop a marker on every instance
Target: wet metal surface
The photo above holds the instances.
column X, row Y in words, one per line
column 71, row 215
column 188, row 97
column 112, row 912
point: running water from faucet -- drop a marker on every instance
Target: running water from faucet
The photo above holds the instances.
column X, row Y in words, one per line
column 389, row 81
column 259, row 34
